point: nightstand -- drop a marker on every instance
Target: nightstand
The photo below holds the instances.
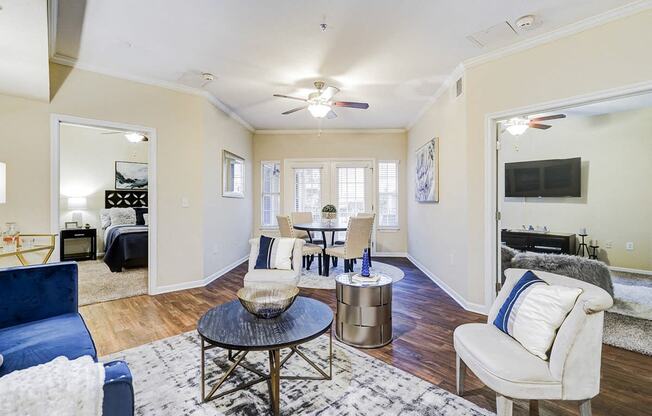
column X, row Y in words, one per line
column 78, row 244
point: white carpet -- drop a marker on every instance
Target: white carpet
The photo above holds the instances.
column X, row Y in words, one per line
column 98, row 284
column 166, row 382
column 311, row 279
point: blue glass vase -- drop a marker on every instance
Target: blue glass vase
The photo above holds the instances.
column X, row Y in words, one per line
column 365, row 263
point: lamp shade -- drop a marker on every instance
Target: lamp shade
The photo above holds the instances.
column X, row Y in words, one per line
column 77, row 203
column 3, row 183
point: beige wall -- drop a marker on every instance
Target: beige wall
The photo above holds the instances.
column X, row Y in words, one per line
column 616, row 199
column 87, row 169
column 330, row 145
column 601, row 58
column 180, row 123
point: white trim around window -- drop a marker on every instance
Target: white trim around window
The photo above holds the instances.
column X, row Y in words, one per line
column 270, row 193
column 388, row 195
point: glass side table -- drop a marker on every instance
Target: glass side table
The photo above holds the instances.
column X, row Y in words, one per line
column 364, row 311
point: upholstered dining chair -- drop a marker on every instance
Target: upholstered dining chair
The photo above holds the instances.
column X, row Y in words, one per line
column 572, row 371
column 270, row 277
column 309, row 250
column 358, row 234
column 304, row 218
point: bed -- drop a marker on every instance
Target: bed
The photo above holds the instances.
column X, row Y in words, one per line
column 125, row 246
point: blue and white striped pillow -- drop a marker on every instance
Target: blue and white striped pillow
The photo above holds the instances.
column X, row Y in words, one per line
column 275, row 253
column 533, row 312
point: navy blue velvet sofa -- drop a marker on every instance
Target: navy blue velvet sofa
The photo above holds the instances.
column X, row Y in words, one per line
column 39, row 321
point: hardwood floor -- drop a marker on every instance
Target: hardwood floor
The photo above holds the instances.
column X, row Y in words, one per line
column 424, row 318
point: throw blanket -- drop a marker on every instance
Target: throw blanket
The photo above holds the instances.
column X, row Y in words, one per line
column 124, row 243
column 58, row 388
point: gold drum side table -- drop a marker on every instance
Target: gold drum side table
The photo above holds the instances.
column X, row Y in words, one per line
column 364, row 311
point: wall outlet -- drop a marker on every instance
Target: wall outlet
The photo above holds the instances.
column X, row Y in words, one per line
column 629, row 246
column 185, row 203
column 609, row 244
column 451, row 258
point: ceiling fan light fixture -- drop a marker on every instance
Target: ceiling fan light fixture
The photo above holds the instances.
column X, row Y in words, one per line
column 319, row 110
column 134, row 137
column 517, row 126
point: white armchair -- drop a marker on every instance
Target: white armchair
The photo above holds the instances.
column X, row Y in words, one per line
column 265, row 276
column 500, row 362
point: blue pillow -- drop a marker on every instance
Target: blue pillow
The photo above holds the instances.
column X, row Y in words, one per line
column 510, row 307
column 275, row 253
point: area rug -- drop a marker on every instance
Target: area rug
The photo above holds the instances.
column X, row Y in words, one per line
column 98, row 284
column 311, row 279
column 166, row 382
column 626, row 332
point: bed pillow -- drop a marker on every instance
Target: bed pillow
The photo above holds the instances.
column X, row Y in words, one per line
column 122, row 216
column 146, row 219
column 275, row 253
column 140, row 212
column 533, row 312
column 105, row 218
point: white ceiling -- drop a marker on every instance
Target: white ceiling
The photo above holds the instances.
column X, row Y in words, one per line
column 394, row 54
column 24, row 49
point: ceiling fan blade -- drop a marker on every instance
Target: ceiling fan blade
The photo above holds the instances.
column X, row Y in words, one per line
column 294, row 110
column 328, row 93
column 331, row 115
column 291, row 98
column 539, row 126
column 552, row 117
column 351, row 104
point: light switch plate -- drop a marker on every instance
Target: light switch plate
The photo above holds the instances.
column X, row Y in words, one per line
column 185, row 203
column 629, row 246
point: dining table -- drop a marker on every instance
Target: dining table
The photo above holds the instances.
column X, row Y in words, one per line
column 323, row 227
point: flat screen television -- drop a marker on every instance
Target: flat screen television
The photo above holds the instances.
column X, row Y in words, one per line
column 544, row 178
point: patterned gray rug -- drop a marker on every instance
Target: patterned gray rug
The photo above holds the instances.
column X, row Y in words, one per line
column 312, row 280
column 166, row 382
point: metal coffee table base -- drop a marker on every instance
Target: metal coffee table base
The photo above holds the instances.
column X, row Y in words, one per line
column 273, row 378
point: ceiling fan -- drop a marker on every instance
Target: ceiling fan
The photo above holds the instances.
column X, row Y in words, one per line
column 518, row 125
column 320, row 103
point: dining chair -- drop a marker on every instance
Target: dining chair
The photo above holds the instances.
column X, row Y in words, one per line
column 309, row 250
column 300, row 217
column 358, row 234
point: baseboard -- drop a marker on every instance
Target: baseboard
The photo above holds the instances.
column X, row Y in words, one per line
column 200, row 282
column 469, row 306
column 628, row 270
column 390, row 254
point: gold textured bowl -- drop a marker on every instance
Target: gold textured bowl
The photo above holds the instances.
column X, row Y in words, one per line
column 267, row 302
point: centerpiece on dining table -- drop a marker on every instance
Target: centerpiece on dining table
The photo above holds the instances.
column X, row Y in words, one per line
column 329, row 212
column 267, row 301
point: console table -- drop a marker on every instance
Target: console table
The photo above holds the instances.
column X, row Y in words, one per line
column 539, row 242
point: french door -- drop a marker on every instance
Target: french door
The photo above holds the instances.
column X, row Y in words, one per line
column 349, row 185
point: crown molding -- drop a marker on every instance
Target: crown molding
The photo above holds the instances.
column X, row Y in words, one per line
column 562, row 32
column 329, row 131
column 452, row 77
column 68, row 61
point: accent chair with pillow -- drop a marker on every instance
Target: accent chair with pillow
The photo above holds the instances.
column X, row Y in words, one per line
column 506, row 353
column 257, row 276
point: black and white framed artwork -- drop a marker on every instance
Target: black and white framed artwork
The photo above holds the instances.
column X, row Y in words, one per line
column 427, row 172
column 130, row 175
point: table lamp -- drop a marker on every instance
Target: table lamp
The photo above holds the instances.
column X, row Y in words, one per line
column 3, row 183
column 75, row 204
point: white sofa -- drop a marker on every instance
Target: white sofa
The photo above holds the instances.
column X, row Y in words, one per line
column 572, row 371
column 265, row 276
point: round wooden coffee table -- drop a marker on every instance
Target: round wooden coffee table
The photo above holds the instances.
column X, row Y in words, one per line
column 231, row 327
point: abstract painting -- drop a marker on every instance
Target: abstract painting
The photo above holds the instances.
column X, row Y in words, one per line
column 427, row 172
column 130, row 175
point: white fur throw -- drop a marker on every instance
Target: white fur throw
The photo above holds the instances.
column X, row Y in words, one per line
column 105, row 218
column 60, row 387
column 122, row 216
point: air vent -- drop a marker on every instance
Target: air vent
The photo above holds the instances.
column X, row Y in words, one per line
column 458, row 87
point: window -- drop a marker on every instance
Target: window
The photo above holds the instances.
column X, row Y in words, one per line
column 388, row 194
column 271, row 196
column 307, row 193
column 350, row 191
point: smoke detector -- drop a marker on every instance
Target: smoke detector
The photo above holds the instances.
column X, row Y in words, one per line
column 525, row 22
column 207, row 76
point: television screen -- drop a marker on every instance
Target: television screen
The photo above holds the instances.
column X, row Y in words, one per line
column 544, row 178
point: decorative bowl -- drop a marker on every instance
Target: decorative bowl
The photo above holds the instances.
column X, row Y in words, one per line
column 267, row 302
